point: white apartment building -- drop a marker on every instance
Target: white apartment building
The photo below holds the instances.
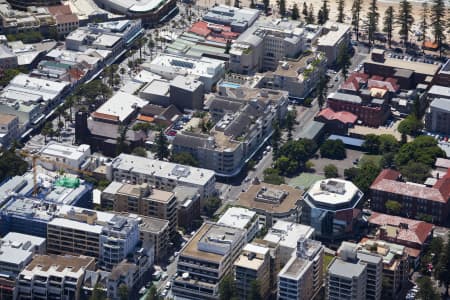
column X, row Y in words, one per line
column 161, row 174
column 66, row 157
column 205, row 260
column 295, row 280
column 241, row 218
column 53, row 277
column 335, row 36
column 313, row 251
column 267, row 42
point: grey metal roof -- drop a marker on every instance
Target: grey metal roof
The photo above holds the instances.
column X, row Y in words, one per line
column 345, row 269
column 440, row 90
column 441, row 103
column 345, row 97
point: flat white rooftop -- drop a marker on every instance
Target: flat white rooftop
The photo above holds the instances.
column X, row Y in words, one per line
column 237, row 217
column 333, row 191
column 47, row 89
column 287, row 233
column 334, row 35
column 121, row 105
column 66, row 151
column 162, row 169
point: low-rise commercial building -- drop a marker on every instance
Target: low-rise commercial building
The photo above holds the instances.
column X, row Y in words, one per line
column 415, row 199
column 239, row 19
column 332, row 208
column 272, row 202
column 143, row 200
column 8, row 60
column 253, row 264
column 66, row 20
column 53, row 276
column 335, row 37
column 70, row 158
column 205, row 260
column 241, row 218
column 160, row 174
column 9, row 129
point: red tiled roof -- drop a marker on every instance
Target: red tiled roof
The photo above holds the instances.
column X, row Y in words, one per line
column 342, row 116
column 416, row 232
column 200, row 28
column 59, row 10
column 354, row 81
column 389, row 84
column 386, row 182
column 213, row 32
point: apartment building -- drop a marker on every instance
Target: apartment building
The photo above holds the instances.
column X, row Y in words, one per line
column 437, row 118
column 295, row 280
column 160, row 174
column 53, row 277
column 9, row 129
column 143, row 200
column 188, row 205
column 331, row 207
column 347, row 277
column 416, row 200
column 253, row 264
column 66, row 20
column 313, row 251
column 242, row 121
column 241, row 218
column 395, row 265
column 297, row 76
column 272, row 202
column 334, row 36
column 8, row 59
column 205, row 260
column 66, row 157
column 267, row 42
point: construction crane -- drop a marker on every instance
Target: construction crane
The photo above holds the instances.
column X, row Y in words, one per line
column 36, row 157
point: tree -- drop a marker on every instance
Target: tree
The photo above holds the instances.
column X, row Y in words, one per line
column 410, row 125
column 276, row 137
column 11, row 164
column 7, row 76
column 372, row 21
column 47, row 130
column 161, row 145
column 343, row 59
column 388, row 144
column 282, row 7
column 140, row 151
column 123, row 292
column 184, row 158
column 424, row 22
column 310, row 19
column 266, row 6
column 252, row 4
column 330, row 171
column 228, row 46
column 325, row 11
column 389, row 24
column 98, row 293
column 211, row 205
column 254, row 293
column 351, row 173
column 227, row 289
column 333, row 149
column 151, row 46
column 393, row 207
column 422, row 149
column 415, row 171
column 356, row 12
column 286, row 166
column 438, row 11
column 305, row 10
column 426, row 289
column 372, row 143
column 442, row 271
column 237, row 3
column 272, row 176
column 340, row 15
column 405, row 20
column 60, row 127
column 298, row 151
column 322, row 90
column 290, row 122
column 152, row 293
column 295, row 12
column 121, row 145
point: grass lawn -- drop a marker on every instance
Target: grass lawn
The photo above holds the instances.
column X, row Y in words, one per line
column 367, row 157
column 305, row 180
column 327, row 258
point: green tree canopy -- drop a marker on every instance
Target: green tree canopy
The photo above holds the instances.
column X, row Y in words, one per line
column 333, row 149
column 410, row 125
column 184, row 158
column 331, row 171
column 393, row 207
column 11, row 164
column 272, row 176
column 211, row 205
column 426, row 289
column 161, row 146
column 415, row 171
column 227, row 289
column 140, row 151
column 422, row 149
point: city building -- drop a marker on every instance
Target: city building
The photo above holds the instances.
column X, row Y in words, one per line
column 438, row 91
column 334, row 36
column 143, row 200
column 213, row 32
column 150, row 12
column 332, row 208
column 160, row 174
column 207, row 70
column 295, row 280
column 337, row 122
column 395, row 265
column 266, row 43
column 188, row 200
column 70, row 158
column 313, row 251
column 415, row 199
column 16, row 252
column 241, row 218
column 443, row 75
column 66, row 20
column 239, row 19
column 272, row 202
column 53, row 276
column 299, row 77
column 408, row 73
column 437, row 117
column 205, row 260
column 412, row 234
column 8, row 59
column 242, row 121
column 287, row 235
column 347, row 276
column 159, row 115
column 253, row 264
column 9, row 129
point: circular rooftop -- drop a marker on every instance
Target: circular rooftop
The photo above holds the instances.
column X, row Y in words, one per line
column 334, row 193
